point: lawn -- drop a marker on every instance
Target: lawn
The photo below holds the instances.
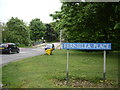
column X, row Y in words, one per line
column 44, row 71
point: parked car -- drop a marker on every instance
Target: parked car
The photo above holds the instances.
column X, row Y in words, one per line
column 9, row 48
column 49, row 46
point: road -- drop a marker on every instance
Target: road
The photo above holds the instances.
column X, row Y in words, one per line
column 24, row 53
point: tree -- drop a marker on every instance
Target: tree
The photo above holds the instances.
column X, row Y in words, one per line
column 51, row 34
column 1, row 28
column 37, row 29
column 89, row 22
column 17, row 32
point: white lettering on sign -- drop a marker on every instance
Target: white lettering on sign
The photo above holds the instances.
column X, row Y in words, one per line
column 87, row 46
column 101, row 46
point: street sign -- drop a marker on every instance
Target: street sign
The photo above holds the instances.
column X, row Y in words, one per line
column 87, row 46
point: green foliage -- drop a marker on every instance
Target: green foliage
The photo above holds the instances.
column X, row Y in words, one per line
column 37, row 29
column 117, row 26
column 0, row 33
column 51, row 34
column 17, row 32
column 89, row 22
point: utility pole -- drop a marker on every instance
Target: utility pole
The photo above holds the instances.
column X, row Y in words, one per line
column 60, row 38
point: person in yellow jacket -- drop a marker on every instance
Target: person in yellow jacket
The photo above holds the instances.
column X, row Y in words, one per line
column 49, row 51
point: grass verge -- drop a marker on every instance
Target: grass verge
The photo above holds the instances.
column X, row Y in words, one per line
column 46, row 71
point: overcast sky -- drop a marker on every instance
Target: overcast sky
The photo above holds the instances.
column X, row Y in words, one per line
column 28, row 9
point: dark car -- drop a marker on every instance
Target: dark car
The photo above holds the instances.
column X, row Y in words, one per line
column 49, row 46
column 9, row 48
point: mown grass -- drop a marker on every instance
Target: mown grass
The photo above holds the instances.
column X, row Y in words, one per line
column 0, row 77
column 46, row 71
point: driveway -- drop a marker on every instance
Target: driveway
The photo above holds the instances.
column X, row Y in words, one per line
column 24, row 53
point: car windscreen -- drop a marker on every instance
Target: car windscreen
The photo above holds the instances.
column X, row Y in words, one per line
column 3, row 45
column 48, row 46
column 12, row 46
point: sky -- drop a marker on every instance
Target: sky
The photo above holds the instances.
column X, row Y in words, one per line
column 28, row 9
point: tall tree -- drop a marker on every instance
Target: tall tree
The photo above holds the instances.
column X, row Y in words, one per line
column 16, row 31
column 1, row 30
column 89, row 22
column 51, row 34
column 37, row 29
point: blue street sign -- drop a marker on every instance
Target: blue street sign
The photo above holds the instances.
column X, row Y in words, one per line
column 87, row 46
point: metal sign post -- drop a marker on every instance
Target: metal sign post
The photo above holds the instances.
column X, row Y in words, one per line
column 104, row 69
column 67, row 66
column 87, row 46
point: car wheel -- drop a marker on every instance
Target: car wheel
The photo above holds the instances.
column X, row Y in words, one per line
column 18, row 51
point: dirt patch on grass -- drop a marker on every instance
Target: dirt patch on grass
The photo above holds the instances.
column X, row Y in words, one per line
column 77, row 83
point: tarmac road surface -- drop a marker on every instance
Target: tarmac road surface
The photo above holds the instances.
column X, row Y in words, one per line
column 24, row 53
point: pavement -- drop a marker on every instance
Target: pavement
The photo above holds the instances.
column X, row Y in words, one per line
column 40, row 45
column 57, row 45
